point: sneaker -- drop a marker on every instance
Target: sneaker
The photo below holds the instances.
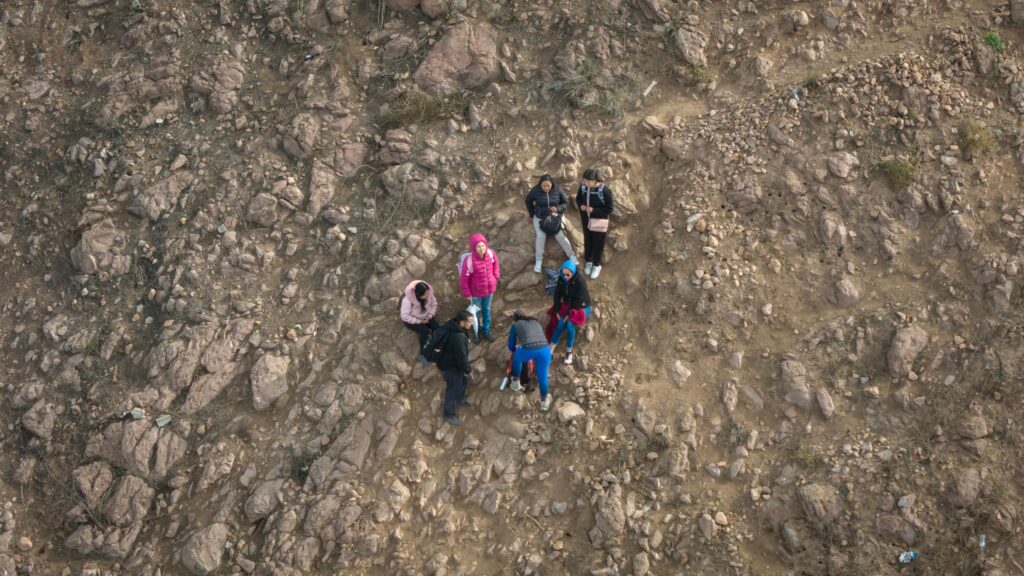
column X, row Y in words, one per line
column 537, row 266
column 422, row 359
column 596, row 272
column 453, row 420
column 568, row 358
column 588, row 268
column 515, row 385
column 545, row 404
column 488, row 336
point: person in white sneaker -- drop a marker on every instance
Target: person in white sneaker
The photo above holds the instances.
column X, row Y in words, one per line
column 545, row 205
column 571, row 307
column 527, row 342
column 596, row 203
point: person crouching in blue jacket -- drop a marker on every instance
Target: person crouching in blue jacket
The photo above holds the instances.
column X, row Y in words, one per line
column 532, row 345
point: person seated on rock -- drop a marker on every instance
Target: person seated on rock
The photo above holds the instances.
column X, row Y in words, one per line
column 417, row 308
column 571, row 307
column 479, row 273
column 545, row 205
column 596, row 204
column 527, row 343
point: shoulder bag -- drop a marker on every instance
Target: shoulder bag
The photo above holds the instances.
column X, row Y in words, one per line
column 552, row 223
column 595, row 224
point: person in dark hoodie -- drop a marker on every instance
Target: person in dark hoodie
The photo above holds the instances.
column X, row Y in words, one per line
column 545, row 204
column 596, row 204
column 571, row 307
column 454, row 364
column 527, row 332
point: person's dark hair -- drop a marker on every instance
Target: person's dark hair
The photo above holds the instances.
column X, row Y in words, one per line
column 520, row 315
column 462, row 315
column 420, row 290
column 592, row 174
column 546, row 178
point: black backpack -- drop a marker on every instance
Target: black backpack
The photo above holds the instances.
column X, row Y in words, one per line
column 434, row 348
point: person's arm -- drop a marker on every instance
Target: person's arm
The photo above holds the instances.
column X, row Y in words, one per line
column 609, row 200
column 559, row 288
column 497, row 266
column 531, row 204
column 462, row 354
column 580, row 200
column 406, row 312
column 512, row 338
column 563, row 201
column 431, row 306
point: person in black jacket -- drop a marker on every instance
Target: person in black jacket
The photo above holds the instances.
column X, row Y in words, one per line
column 595, row 201
column 454, row 364
column 547, row 200
column 571, row 307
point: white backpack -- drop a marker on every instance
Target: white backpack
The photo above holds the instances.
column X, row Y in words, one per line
column 465, row 261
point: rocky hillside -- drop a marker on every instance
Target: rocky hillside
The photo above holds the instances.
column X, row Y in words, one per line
column 805, row 351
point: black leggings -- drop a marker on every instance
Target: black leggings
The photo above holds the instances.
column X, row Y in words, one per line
column 423, row 330
column 593, row 245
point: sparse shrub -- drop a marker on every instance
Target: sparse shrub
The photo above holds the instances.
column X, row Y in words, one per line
column 808, row 456
column 696, row 73
column 993, row 40
column 810, row 83
column 976, row 139
column 416, row 107
column 898, row 173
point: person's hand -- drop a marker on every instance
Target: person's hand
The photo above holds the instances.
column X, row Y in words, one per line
column 554, row 210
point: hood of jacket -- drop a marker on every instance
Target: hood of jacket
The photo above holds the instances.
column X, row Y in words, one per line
column 570, row 266
column 410, row 290
column 475, row 239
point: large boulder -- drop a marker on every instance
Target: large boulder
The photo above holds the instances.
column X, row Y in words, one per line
column 793, row 376
column 689, row 43
column 101, row 249
column 467, row 57
column 410, row 183
column 202, row 552
column 821, row 505
column 906, row 345
column 269, row 378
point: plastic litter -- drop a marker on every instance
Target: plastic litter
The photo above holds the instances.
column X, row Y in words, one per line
column 474, row 310
column 981, row 541
column 163, row 421
column 908, row 557
column 135, row 413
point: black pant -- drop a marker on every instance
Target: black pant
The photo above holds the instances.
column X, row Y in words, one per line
column 454, row 390
column 593, row 245
column 423, row 330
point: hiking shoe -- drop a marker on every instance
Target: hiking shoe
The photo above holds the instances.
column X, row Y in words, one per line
column 537, row 266
column 422, row 359
column 545, row 404
column 488, row 336
column 568, row 358
column 595, row 272
column 453, row 420
column 588, row 268
column 515, row 385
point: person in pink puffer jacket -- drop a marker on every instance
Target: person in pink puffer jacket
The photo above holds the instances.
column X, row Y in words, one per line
column 479, row 273
column 417, row 309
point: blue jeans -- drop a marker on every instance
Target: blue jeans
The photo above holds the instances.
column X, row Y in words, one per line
column 541, row 361
column 484, row 316
column 569, row 328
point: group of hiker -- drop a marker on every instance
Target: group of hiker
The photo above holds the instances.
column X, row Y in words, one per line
column 530, row 342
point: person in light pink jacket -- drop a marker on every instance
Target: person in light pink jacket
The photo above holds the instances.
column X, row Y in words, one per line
column 417, row 310
column 479, row 273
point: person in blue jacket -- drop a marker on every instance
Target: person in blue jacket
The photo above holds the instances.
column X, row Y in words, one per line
column 527, row 342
